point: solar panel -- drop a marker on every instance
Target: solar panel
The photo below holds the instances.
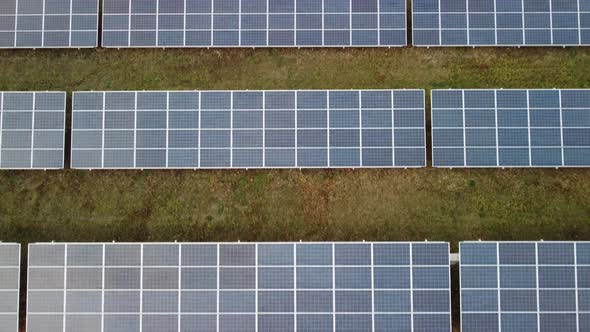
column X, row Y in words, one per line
column 248, row 129
column 9, row 286
column 525, row 286
column 32, row 129
column 254, row 23
column 239, row 287
column 48, row 23
column 511, row 128
column 500, row 22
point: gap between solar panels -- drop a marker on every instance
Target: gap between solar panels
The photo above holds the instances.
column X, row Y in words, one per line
column 248, row 129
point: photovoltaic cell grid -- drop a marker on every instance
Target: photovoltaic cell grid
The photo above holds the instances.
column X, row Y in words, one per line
column 254, row 23
column 511, row 128
column 48, row 23
column 525, row 286
column 501, row 22
column 32, row 129
column 248, row 129
column 239, row 287
column 9, row 286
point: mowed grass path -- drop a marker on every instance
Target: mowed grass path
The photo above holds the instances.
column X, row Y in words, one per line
column 277, row 205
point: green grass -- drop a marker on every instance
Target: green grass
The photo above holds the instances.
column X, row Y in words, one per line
column 450, row 205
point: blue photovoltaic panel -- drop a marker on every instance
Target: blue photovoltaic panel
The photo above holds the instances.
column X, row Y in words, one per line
column 254, row 23
column 501, row 22
column 247, row 287
column 9, row 286
column 511, row 128
column 48, row 23
column 525, row 286
column 248, row 129
column 32, row 129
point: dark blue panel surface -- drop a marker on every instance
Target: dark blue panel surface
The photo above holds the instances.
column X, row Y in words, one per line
column 9, row 277
column 244, row 129
column 32, row 129
column 247, row 23
column 498, row 23
column 511, row 128
column 539, row 286
column 49, row 24
column 236, row 286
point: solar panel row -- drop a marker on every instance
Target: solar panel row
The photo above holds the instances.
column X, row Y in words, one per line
column 293, row 23
column 511, row 128
column 239, row 287
column 296, row 129
column 48, row 23
column 9, row 286
column 254, row 23
column 352, row 286
column 525, row 286
column 300, row 23
column 249, row 129
column 501, row 22
column 32, row 129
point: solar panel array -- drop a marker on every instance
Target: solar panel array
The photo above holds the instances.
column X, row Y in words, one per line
column 48, row 23
column 254, row 23
column 9, row 286
column 239, row 287
column 525, row 286
column 511, row 128
column 292, row 23
column 249, row 129
column 501, row 22
column 32, row 129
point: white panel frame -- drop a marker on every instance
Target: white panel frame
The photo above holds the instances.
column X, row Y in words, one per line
column 267, row 13
column 256, row 266
column 495, row 29
column 33, row 131
column 42, row 31
column 538, row 313
column 18, row 267
column 264, row 147
column 529, row 146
